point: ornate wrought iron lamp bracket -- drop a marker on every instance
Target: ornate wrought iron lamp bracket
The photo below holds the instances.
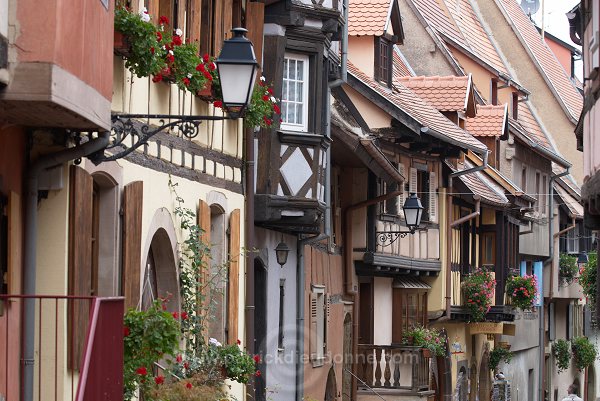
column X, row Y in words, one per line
column 129, row 132
column 384, row 236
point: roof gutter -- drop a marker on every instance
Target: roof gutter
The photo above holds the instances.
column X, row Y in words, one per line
column 480, row 151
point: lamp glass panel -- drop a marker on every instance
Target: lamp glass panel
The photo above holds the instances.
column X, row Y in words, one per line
column 281, row 256
column 236, row 82
column 412, row 216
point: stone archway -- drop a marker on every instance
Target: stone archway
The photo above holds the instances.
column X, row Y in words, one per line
column 331, row 386
column 160, row 273
column 484, row 380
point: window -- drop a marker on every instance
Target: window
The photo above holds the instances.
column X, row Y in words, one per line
column 281, row 311
column 515, row 105
column 424, row 184
column 538, row 194
column 544, row 196
column 524, row 179
column 218, row 261
column 318, row 323
column 409, row 309
column 488, row 248
column 383, row 61
column 494, row 91
column 294, row 94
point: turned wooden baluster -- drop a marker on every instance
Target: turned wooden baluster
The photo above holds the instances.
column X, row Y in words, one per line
column 361, row 364
column 397, row 361
column 377, row 367
column 387, row 373
column 369, row 369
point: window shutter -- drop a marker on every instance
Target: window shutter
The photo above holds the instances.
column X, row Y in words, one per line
column 412, row 183
column 433, row 200
column 194, row 21
column 255, row 16
column 204, row 224
column 233, row 291
column 80, row 258
column 402, row 197
column 313, row 326
column 326, row 319
column 133, row 196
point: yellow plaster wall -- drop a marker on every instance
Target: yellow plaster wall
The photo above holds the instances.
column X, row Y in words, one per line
column 373, row 115
column 361, row 53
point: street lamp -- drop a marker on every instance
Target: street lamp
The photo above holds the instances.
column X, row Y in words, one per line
column 413, row 211
column 281, row 252
column 237, row 66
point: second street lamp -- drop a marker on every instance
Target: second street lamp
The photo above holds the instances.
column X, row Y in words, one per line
column 413, row 211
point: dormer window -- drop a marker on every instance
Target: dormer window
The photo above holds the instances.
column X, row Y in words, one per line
column 383, row 61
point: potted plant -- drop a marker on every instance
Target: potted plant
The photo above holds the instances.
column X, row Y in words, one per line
column 236, row 364
column 567, row 268
column 262, row 107
column 430, row 340
column 478, row 291
column 561, row 350
column 584, row 352
column 522, row 291
column 497, row 355
column 587, row 278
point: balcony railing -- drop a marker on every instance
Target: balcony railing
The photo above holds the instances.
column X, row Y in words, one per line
column 78, row 348
column 393, row 367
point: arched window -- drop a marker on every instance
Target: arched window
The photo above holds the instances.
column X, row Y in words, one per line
column 219, row 270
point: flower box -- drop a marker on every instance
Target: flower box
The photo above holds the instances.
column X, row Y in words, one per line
column 207, row 93
column 122, row 47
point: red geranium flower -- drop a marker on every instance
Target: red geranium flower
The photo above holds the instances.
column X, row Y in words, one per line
column 159, row 379
column 158, row 36
column 152, row 50
column 186, row 365
column 265, row 98
column 207, row 75
column 186, row 82
column 175, row 314
column 170, row 58
column 218, row 104
column 276, row 109
column 270, row 91
column 125, row 331
column 163, row 20
column 206, row 58
column 212, row 66
column 177, row 40
column 179, row 359
column 142, row 371
column 169, row 46
column 256, row 358
column 200, row 67
column 257, row 374
column 158, row 78
column 188, row 385
column 239, row 342
column 184, row 315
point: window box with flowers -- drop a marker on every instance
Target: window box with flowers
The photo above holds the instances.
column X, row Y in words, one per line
column 567, row 269
column 521, row 291
column 478, row 292
column 430, row 340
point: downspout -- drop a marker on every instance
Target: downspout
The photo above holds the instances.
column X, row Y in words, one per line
column 542, row 324
column 249, row 257
column 29, row 273
column 300, row 271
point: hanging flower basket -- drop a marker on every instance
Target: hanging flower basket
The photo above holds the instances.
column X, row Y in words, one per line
column 522, row 291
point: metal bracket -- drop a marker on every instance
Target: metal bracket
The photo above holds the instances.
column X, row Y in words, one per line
column 129, row 133
column 384, row 236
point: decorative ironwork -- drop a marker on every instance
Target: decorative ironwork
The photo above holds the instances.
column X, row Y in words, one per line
column 129, row 133
column 384, row 236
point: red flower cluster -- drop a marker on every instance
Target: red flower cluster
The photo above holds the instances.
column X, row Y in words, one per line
column 142, row 371
column 125, row 331
column 163, row 20
column 159, row 379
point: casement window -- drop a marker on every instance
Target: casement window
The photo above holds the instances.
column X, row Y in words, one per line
column 409, row 309
column 424, row 184
column 294, row 94
column 393, row 206
column 383, row 60
column 319, row 316
column 488, row 248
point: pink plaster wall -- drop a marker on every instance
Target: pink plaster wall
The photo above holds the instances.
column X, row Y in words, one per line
column 76, row 35
column 562, row 54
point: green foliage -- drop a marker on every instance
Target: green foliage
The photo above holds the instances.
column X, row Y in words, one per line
column 584, row 352
column 141, row 37
column 262, row 108
column 522, row 290
column 567, row 266
column 150, row 335
column 424, row 337
column 561, row 350
column 587, row 278
column 497, row 355
column 478, row 291
column 238, row 364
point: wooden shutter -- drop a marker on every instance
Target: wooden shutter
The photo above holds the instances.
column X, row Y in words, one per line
column 203, row 290
column 313, row 326
column 326, row 320
column 402, row 197
column 412, row 181
column 255, row 17
column 133, row 197
column 233, row 290
column 397, row 321
column 433, row 200
column 194, row 21
column 15, row 243
column 80, row 258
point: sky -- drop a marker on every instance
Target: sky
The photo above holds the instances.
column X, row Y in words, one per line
column 556, row 22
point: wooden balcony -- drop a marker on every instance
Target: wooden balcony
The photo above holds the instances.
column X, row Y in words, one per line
column 394, row 367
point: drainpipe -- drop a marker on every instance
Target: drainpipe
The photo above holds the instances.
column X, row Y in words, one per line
column 41, row 164
column 550, row 260
column 249, row 257
column 344, row 51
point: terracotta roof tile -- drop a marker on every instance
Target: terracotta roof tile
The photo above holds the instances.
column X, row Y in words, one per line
column 367, row 17
column 490, row 121
column 575, row 208
column 424, row 113
column 401, row 68
column 546, row 61
column 437, row 15
column 480, row 183
column 531, row 125
column 444, row 93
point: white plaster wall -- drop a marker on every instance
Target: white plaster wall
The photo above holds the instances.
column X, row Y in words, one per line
column 280, row 364
column 382, row 311
column 517, row 373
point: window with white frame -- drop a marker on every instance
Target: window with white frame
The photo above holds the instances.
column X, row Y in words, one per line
column 294, row 94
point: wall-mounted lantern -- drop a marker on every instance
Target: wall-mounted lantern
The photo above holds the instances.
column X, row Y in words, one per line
column 413, row 211
column 281, row 252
